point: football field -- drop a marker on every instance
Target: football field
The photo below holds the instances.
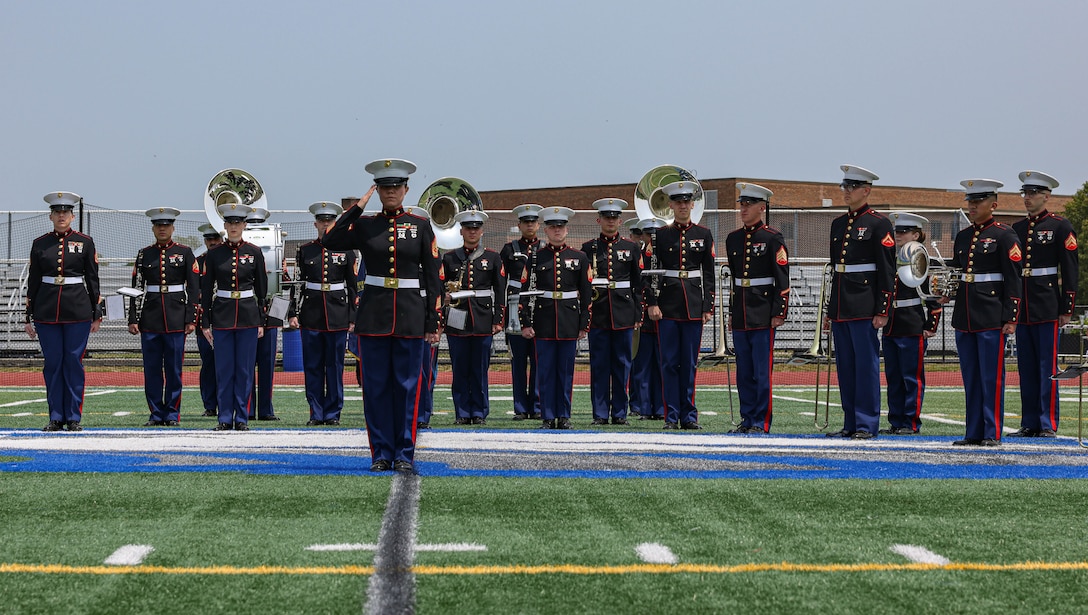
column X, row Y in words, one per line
column 504, row 518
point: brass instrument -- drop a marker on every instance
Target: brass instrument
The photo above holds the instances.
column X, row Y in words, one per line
column 820, row 351
column 651, row 202
column 240, row 187
column 913, row 266
column 1077, row 371
column 722, row 352
column 444, row 199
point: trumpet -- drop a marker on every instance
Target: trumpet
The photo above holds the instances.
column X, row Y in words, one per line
column 913, row 266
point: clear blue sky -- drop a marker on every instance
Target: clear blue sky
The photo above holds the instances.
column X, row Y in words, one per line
column 134, row 104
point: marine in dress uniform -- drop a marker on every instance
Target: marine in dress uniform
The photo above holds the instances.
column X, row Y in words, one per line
column 323, row 311
column 554, row 308
column 209, row 392
column 267, row 347
column 169, row 275
column 986, row 310
column 616, row 264
column 233, row 287
column 400, row 255
column 1050, row 278
column 758, row 303
column 647, row 388
column 515, row 257
column 685, row 251
column 911, row 322
column 862, row 284
column 476, row 281
column 62, row 309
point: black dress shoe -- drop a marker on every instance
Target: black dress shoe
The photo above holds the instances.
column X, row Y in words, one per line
column 989, row 442
column 599, row 422
column 171, row 424
column 967, row 442
column 670, row 426
column 381, row 465
column 645, row 417
column 53, row 426
column 404, row 467
column 547, row 425
column 241, row 427
column 313, row 423
column 223, row 427
column 889, row 431
column 1023, row 432
column 616, row 421
column 842, row 433
column 904, row 431
column 462, row 421
column 478, row 420
column 422, row 425
column 862, row 435
column 520, row 417
column 738, row 430
column 1046, row 433
column 154, row 423
column 74, row 426
column 535, row 416
column 690, row 425
column 270, row 417
column 657, row 417
column 562, row 423
column 332, row 422
column 210, row 413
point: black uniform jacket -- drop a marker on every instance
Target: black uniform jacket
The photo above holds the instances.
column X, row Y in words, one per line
column 861, row 239
column 201, row 319
column 60, row 256
column 989, row 248
column 614, row 259
column 911, row 320
column 233, row 268
column 324, row 309
column 758, row 259
column 554, row 316
column 481, row 271
column 684, row 249
column 166, row 311
column 515, row 257
column 1048, row 241
column 651, row 285
column 395, row 246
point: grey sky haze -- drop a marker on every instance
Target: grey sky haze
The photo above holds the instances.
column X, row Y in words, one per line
column 135, row 104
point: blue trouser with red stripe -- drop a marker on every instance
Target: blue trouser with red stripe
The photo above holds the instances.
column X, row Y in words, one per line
column 680, row 340
column 647, row 389
column 555, row 377
column 857, row 360
column 323, row 370
column 522, row 358
column 609, row 371
column 982, row 364
column 392, row 377
column 235, row 361
column 905, row 371
column 755, row 358
column 1037, row 358
column 164, row 354
column 63, row 346
column 429, row 358
column 471, row 357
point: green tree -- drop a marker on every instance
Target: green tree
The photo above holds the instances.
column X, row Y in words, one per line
column 1077, row 213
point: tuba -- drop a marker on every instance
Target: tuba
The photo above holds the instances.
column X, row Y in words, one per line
column 444, row 199
column 913, row 267
column 651, row 202
column 232, row 186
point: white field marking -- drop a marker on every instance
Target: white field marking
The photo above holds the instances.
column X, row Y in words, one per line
column 23, row 414
column 129, row 555
column 44, row 400
column 655, row 553
column 501, row 398
column 351, row 398
column 807, row 401
column 121, row 413
column 445, row 547
column 707, row 413
column 920, row 555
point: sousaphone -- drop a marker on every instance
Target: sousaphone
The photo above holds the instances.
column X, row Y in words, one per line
column 231, row 186
column 444, row 199
column 651, row 202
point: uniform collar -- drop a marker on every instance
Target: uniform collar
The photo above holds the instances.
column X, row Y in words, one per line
column 62, row 235
column 754, row 227
column 393, row 214
column 233, row 246
column 1042, row 214
column 979, row 227
column 528, row 242
column 559, row 248
column 166, row 245
column 611, row 239
column 860, row 210
column 683, row 227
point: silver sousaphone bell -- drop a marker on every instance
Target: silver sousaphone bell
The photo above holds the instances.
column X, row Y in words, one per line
column 651, row 202
column 444, row 199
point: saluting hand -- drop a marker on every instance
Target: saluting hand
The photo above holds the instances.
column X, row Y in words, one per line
column 366, row 198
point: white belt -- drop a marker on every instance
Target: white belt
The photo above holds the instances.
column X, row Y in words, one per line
column 325, row 286
column 683, row 273
column 173, row 288
column 1040, row 272
column 374, row 280
column 902, row 303
column 611, row 283
column 483, row 293
column 840, row 268
column 234, row 294
column 560, row 294
column 746, row 282
column 62, row 280
column 514, row 283
column 971, row 278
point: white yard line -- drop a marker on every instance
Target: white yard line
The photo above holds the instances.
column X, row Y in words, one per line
column 655, row 553
column 129, row 555
column 44, row 400
column 920, row 555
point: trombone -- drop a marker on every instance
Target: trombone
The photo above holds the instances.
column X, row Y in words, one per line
column 1077, row 371
column 722, row 352
column 820, row 351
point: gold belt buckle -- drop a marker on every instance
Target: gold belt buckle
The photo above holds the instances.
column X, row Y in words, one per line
column 325, row 286
column 969, row 278
column 612, row 284
column 1026, row 273
column 745, row 283
column 59, row 280
column 683, row 274
column 557, row 294
column 235, row 294
column 391, row 282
